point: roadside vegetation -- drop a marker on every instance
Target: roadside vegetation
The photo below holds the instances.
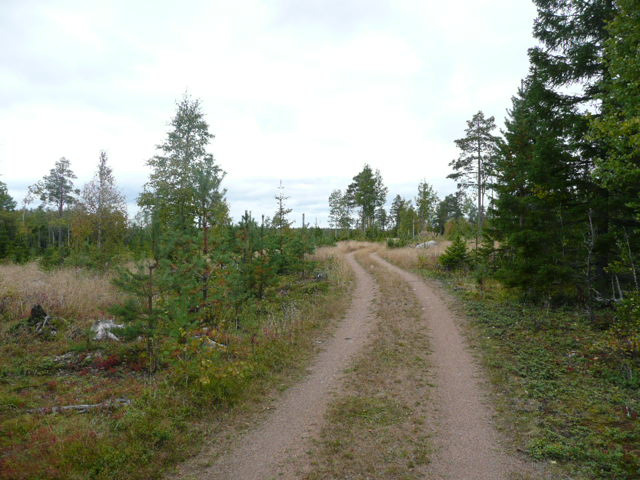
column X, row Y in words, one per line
column 566, row 387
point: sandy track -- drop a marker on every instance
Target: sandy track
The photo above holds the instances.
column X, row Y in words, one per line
column 271, row 450
column 467, row 444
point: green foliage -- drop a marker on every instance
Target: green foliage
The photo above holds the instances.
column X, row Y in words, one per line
column 396, row 242
column 475, row 165
column 426, row 205
column 454, row 207
column 6, row 202
column 455, row 256
column 99, row 221
column 367, row 193
column 556, row 221
column 566, row 393
column 625, row 331
column 537, row 215
column 339, row 211
column 182, row 170
column 57, row 188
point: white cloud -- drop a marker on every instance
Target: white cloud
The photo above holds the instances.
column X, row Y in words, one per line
column 304, row 91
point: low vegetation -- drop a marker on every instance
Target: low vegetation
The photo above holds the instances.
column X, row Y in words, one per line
column 201, row 372
column 566, row 386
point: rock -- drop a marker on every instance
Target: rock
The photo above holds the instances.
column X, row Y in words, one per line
column 102, row 329
column 429, row 244
column 321, row 276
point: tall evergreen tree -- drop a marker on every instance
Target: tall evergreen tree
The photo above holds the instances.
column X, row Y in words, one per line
column 474, row 167
column 398, row 206
column 57, row 188
column 618, row 128
column 573, row 35
column 535, row 211
column 184, row 199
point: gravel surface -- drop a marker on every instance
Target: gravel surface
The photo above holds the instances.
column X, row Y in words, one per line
column 467, row 443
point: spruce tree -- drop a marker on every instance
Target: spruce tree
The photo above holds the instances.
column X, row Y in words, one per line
column 535, row 213
column 618, row 128
column 573, row 35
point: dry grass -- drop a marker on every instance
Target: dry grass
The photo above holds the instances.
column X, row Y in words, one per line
column 411, row 258
column 69, row 293
column 353, row 245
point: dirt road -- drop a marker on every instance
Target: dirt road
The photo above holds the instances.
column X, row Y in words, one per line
column 271, row 450
column 466, row 444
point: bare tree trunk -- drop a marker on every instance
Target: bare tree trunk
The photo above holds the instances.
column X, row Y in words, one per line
column 479, row 214
column 631, row 262
column 205, row 252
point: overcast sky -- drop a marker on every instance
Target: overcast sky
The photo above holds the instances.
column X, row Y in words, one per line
column 306, row 91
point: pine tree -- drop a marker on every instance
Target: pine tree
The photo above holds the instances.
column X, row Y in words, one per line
column 184, row 199
column 57, row 188
column 474, row 167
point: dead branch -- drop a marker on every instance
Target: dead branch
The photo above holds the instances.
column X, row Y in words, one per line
column 82, row 408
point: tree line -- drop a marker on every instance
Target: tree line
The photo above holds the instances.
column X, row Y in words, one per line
column 554, row 195
column 359, row 211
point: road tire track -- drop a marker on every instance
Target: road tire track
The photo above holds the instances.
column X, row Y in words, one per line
column 467, row 445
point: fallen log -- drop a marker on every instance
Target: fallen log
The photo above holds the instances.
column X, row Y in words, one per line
column 82, row 408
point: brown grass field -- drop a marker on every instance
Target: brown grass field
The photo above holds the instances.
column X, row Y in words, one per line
column 68, row 293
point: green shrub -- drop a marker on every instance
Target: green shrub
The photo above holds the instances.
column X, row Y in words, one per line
column 396, row 243
column 455, row 256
